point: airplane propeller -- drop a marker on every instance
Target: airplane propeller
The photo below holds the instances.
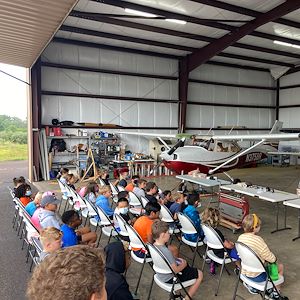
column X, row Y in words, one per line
column 180, row 143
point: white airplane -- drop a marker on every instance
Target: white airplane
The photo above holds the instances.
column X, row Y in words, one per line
column 216, row 153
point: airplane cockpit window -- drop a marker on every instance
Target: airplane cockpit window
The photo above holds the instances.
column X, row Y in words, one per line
column 174, row 156
column 234, row 147
column 222, row 147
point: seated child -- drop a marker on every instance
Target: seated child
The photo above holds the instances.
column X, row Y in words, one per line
column 117, row 261
column 23, row 192
column 151, row 192
column 72, row 235
column 90, row 191
column 123, row 174
column 103, row 200
column 71, row 179
column 130, row 186
column 33, row 205
column 193, row 214
column 47, row 216
column 161, row 236
column 166, row 198
column 211, row 217
column 50, row 238
column 143, row 225
column 178, row 205
column 18, row 181
column 62, row 175
column 251, row 225
column 139, row 190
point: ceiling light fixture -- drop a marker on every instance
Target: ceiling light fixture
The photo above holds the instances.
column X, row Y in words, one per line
column 177, row 21
column 282, row 43
column 139, row 13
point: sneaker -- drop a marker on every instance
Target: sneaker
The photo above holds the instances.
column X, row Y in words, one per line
column 274, row 295
column 250, row 289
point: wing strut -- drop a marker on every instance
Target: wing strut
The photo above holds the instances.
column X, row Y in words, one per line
column 236, row 156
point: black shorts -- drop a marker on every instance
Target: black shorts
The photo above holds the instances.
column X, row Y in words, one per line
column 188, row 273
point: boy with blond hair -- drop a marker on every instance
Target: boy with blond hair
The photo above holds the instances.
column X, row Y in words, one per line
column 103, row 200
column 50, row 238
column 161, row 236
column 33, row 205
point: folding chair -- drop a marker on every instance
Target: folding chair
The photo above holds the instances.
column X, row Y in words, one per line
column 161, row 265
column 35, row 252
column 188, row 227
column 115, row 192
column 106, row 224
column 120, row 188
column 135, row 203
column 122, row 225
column 137, row 242
column 166, row 216
column 213, row 241
column 92, row 214
column 144, row 201
column 101, row 182
column 63, row 192
column 252, row 263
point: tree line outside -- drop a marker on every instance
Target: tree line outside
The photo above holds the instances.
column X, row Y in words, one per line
column 13, row 138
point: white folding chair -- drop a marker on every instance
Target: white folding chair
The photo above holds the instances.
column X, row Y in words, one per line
column 188, row 227
column 106, row 224
column 120, row 188
column 166, row 216
column 122, row 225
column 252, row 263
column 144, row 201
column 102, row 183
column 137, row 243
column 135, row 203
column 161, row 265
column 115, row 192
column 92, row 214
column 35, row 252
column 213, row 241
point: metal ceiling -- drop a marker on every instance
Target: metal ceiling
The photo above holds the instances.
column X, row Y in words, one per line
column 213, row 25
column 26, row 27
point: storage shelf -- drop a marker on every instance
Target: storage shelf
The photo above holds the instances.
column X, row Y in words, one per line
column 67, row 137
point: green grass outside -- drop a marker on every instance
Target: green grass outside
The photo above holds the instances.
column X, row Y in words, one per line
column 12, row 151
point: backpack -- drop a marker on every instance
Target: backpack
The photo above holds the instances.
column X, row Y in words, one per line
column 58, row 145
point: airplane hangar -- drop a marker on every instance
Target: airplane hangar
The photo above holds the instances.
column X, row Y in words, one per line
column 162, row 67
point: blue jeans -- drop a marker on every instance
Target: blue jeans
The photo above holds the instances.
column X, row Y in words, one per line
column 259, row 278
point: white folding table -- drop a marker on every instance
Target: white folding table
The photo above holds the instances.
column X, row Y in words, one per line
column 295, row 204
column 274, row 196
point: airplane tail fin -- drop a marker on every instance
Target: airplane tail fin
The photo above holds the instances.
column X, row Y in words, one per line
column 276, row 127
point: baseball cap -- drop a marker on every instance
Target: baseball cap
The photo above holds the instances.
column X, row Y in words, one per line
column 48, row 193
column 50, row 199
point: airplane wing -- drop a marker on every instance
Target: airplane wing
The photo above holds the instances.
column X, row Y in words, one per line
column 252, row 137
column 154, row 135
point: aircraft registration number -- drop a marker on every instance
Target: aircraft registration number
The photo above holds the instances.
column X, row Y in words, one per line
column 253, row 156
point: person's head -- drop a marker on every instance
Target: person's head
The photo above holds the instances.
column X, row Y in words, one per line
column 75, row 273
column 193, row 199
column 64, row 172
column 105, row 191
column 123, row 194
column 71, row 179
column 18, row 181
column 51, row 239
column 38, row 197
column 123, row 205
column 151, row 188
column 92, row 187
column 135, row 179
column 181, row 198
column 103, row 173
column 142, row 183
column 152, row 210
column 23, row 190
column 211, row 216
column 167, row 195
column 160, row 231
column 123, row 173
column 71, row 218
column 251, row 223
column 116, row 258
column 50, row 203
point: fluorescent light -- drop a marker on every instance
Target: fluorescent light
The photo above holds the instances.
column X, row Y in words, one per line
column 296, row 46
column 282, row 43
column 139, row 13
column 176, row 21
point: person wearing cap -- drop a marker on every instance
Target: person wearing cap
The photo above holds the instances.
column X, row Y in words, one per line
column 47, row 216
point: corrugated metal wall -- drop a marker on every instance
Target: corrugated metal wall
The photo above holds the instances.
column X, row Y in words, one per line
column 213, row 116
column 290, row 96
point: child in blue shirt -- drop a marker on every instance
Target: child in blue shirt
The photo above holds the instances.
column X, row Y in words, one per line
column 72, row 235
column 103, row 200
column 193, row 214
column 33, row 205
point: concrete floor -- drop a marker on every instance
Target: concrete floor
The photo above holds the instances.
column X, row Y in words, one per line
column 281, row 244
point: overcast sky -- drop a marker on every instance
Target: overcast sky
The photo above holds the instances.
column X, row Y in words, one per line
column 13, row 94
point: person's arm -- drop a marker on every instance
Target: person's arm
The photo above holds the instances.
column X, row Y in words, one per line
column 266, row 253
column 228, row 244
column 178, row 268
